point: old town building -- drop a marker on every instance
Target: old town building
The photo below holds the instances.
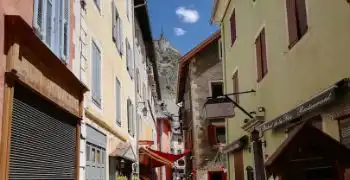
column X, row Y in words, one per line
column 41, row 99
column 294, row 54
column 200, row 76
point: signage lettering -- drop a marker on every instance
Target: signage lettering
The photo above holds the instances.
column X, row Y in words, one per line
column 316, row 102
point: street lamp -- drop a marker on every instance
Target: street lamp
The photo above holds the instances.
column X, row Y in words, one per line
column 223, row 106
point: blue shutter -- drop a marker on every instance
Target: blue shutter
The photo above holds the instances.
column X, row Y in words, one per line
column 63, row 34
column 96, row 75
column 120, row 35
column 49, row 20
column 128, row 111
column 117, row 96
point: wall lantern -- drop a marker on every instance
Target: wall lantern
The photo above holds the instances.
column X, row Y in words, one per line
column 223, row 106
column 144, row 111
column 122, row 164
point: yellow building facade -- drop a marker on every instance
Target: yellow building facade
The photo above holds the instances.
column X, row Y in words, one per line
column 295, row 73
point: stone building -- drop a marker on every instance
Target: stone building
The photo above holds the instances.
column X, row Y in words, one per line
column 200, row 76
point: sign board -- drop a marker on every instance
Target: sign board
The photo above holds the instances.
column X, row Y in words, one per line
column 220, row 107
column 318, row 101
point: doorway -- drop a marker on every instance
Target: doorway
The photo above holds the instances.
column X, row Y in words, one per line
column 216, row 175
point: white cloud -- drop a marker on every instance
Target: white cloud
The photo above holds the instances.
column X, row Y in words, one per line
column 179, row 31
column 187, row 15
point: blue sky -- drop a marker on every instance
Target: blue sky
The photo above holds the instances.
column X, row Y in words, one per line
column 185, row 22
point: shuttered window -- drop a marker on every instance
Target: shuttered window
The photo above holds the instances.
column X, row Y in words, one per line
column 51, row 23
column 118, row 105
column 297, row 20
column 43, row 139
column 129, row 65
column 98, row 4
column 130, row 118
column 117, row 29
column 261, row 58
column 233, row 27
column 96, row 75
column 137, row 81
column 344, row 127
column 235, row 86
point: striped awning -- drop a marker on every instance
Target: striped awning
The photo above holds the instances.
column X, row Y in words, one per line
column 156, row 158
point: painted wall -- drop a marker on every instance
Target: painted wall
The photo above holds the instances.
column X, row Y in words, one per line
column 25, row 9
column 294, row 75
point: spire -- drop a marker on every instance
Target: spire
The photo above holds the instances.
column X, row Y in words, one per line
column 162, row 33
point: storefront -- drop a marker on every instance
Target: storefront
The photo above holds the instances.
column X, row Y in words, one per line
column 42, row 110
column 317, row 135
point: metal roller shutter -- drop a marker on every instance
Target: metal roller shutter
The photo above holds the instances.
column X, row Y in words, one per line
column 43, row 144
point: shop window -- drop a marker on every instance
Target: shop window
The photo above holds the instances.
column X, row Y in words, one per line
column 93, row 155
column 217, row 89
column 98, row 157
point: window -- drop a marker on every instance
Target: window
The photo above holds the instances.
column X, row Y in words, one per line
column 98, row 4
column 51, row 23
column 130, row 118
column 137, row 81
column 88, row 149
column 129, row 64
column 260, row 47
column 117, row 29
column 216, row 89
column 220, row 48
column 181, row 162
column 172, row 150
column 144, row 92
column 98, row 157
column 316, row 121
column 216, row 134
column 128, row 6
column 233, row 27
column 297, row 20
column 179, row 140
column 96, row 75
column 344, row 128
column 235, row 86
column 93, row 155
column 220, row 134
column 181, row 171
column 117, row 102
column 179, row 151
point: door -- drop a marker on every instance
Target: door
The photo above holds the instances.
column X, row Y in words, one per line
column 95, row 154
column 216, row 175
column 43, row 139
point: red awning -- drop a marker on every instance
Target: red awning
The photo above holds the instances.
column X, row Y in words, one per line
column 155, row 158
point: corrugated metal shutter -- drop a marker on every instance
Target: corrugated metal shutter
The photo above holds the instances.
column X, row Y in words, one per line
column 43, row 145
column 345, row 132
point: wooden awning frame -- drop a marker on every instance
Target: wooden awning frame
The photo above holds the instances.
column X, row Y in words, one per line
column 299, row 137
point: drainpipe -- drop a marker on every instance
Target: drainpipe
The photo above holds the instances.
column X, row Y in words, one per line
column 135, row 91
